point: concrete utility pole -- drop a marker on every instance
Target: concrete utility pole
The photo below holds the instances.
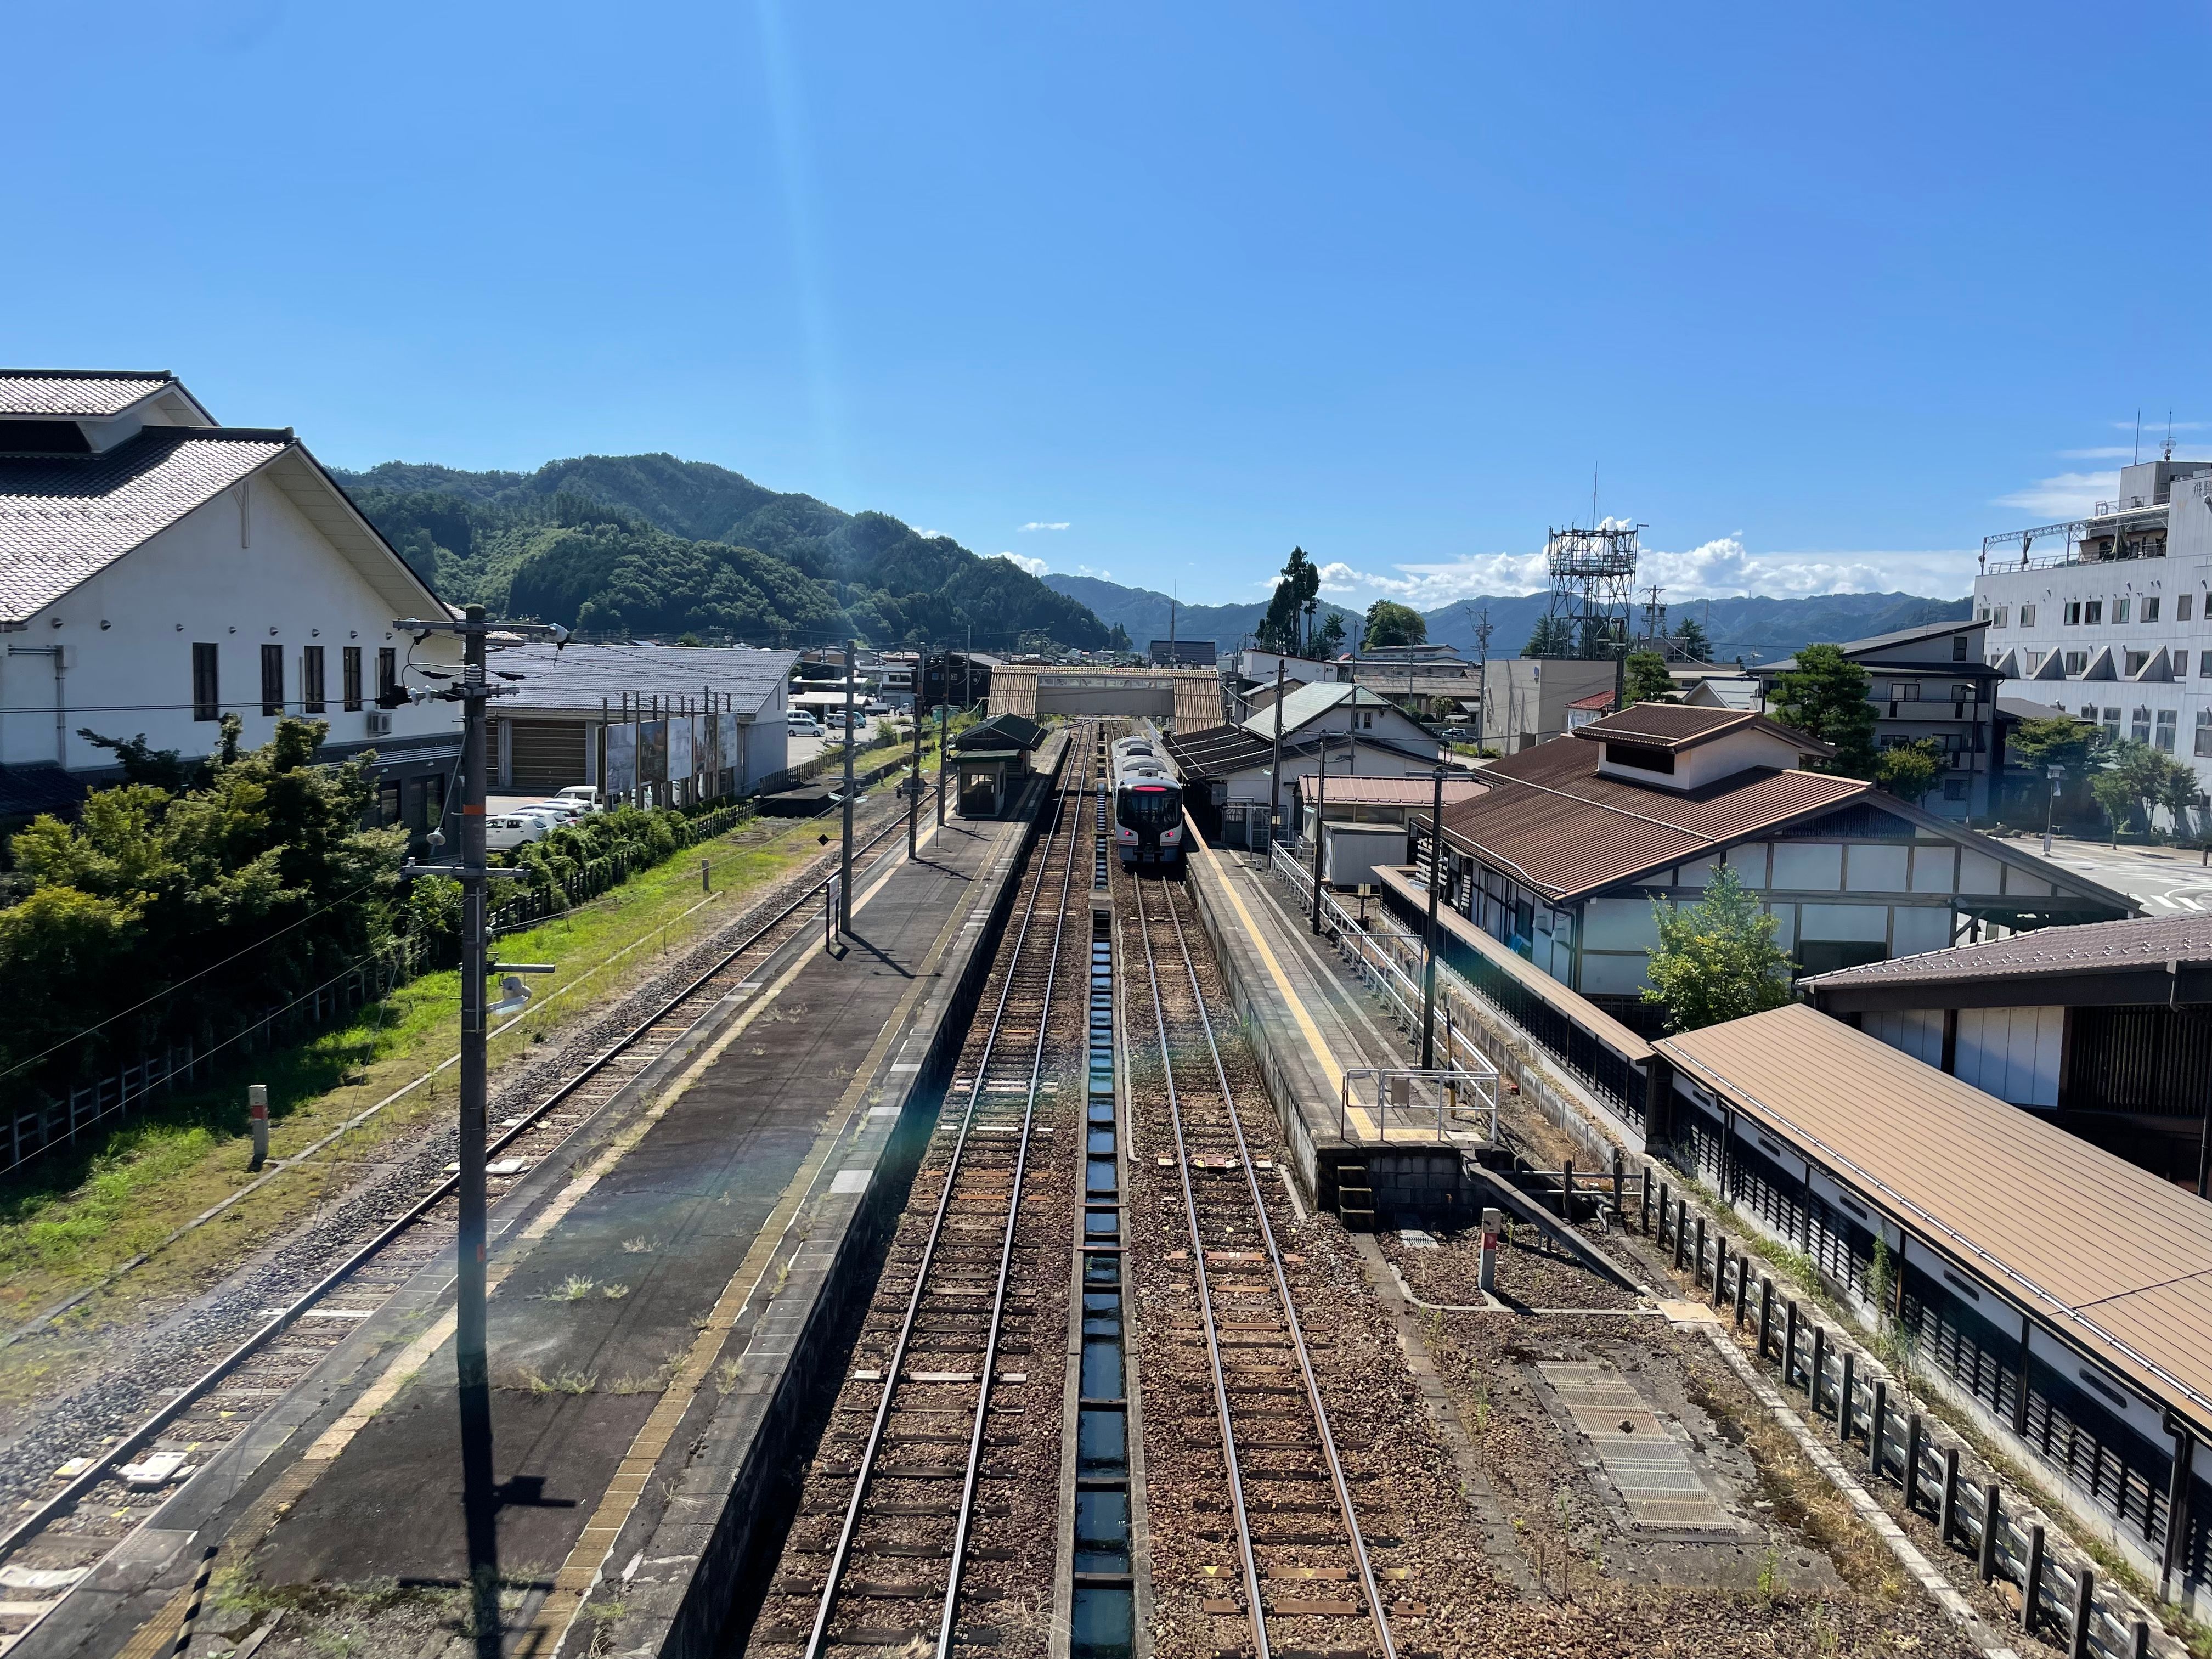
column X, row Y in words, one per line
column 845, row 886
column 944, row 749
column 1321, row 820
column 1482, row 680
column 1275, row 770
column 1429, row 957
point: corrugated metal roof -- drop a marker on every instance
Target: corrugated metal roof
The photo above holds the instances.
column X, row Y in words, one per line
column 581, row 677
column 2108, row 1253
column 1309, row 701
column 1397, row 792
column 1217, row 751
column 90, row 393
column 1567, row 831
column 1677, row 725
column 64, row 518
column 2137, row 942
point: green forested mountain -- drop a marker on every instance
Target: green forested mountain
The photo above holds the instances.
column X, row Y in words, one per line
column 651, row 544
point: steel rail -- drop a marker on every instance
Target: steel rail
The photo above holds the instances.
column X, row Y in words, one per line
column 1290, row 1312
column 134, row 1440
column 842, row 1554
column 1250, row 1560
column 967, row 1510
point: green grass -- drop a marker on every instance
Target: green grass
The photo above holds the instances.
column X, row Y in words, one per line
column 68, row 1222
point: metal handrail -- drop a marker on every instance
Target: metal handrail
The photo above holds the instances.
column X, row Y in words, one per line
column 1390, row 961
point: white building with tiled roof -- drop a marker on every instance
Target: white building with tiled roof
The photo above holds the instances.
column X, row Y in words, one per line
column 158, row 571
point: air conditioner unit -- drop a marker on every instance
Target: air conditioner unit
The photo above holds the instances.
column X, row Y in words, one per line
column 380, row 725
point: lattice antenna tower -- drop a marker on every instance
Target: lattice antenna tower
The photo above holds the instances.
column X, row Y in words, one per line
column 1593, row 583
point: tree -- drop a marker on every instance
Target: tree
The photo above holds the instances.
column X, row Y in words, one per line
column 1281, row 628
column 1389, row 623
column 1647, row 679
column 2147, row 777
column 1692, row 642
column 1119, row 640
column 1825, row 697
column 1552, row 636
column 1717, row 959
column 1330, row 641
column 2114, row 794
column 1909, row 771
column 2180, row 794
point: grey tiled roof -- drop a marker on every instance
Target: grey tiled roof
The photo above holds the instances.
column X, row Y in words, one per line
column 90, row 393
column 2138, row 942
column 65, row 518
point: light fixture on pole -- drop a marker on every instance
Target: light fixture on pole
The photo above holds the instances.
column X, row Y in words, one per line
column 1429, row 956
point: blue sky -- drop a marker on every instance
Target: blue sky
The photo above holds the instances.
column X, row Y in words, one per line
column 1157, row 291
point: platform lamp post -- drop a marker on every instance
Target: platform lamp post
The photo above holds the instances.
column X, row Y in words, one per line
column 914, row 809
column 2052, row 774
column 845, row 885
column 1428, row 954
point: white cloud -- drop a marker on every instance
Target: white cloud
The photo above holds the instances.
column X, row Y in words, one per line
column 1102, row 575
column 2065, row 494
column 1720, row 568
column 1039, row 524
column 1035, row 567
column 929, row 535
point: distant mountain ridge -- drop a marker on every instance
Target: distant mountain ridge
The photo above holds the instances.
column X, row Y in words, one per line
column 1755, row 628
column 653, row 544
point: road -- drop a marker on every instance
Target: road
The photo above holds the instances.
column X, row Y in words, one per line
column 2165, row 880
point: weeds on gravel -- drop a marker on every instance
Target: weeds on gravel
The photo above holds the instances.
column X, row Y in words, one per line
column 575, row 1288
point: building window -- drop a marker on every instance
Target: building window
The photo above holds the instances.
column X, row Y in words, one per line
column 2183, row 605
column 2028, row 616
column 2036, row 659
column 2204, row 733
column 207, row 690
column 1999, row 620
column 2169, row 726
column 272, row 679
column 311, row 679
column 2073, row 612
column 2135, row 661
column 2089, row 713
column 387, row 672
column 2077, row 664
column 1958, row 647
column 1955, row 789
column 2119, row 610
column 2111, row 724
column 349, row 666
column 2150, row 607
column 2093, row 611
column 2139, row 724
column 2205, row 664
column 1905, row 691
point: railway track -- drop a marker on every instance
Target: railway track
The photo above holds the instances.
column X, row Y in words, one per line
column 99, row 1501
column 927, row 1520
column 1304, row 1575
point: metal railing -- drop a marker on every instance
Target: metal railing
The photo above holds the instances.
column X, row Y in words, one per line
column 1939, row 1475
column 1451, row 1108
column 1390, row 961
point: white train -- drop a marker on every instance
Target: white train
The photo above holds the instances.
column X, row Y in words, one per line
column 1147, row 806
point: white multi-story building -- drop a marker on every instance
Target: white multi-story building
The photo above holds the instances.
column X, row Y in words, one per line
column 2111, row 623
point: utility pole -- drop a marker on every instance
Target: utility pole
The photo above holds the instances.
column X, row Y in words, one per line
column 1482, row 678
column 967, row 669
column 944, row 747
column 1321, row 818
column 845, row 886
column 1429, row 956
column 1275, row 769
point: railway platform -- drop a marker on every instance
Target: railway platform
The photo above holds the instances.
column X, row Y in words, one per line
column 1312, row 1020
column 661, row 1286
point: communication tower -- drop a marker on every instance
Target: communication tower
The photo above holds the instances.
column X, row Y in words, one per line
column 1593, row 584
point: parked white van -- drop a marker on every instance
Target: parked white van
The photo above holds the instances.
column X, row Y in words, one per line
column 510, row 830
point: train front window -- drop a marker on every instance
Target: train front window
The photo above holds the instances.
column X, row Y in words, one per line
column 1148, row 808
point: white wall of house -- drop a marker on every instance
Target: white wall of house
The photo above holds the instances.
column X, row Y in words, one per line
column 238, row 574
